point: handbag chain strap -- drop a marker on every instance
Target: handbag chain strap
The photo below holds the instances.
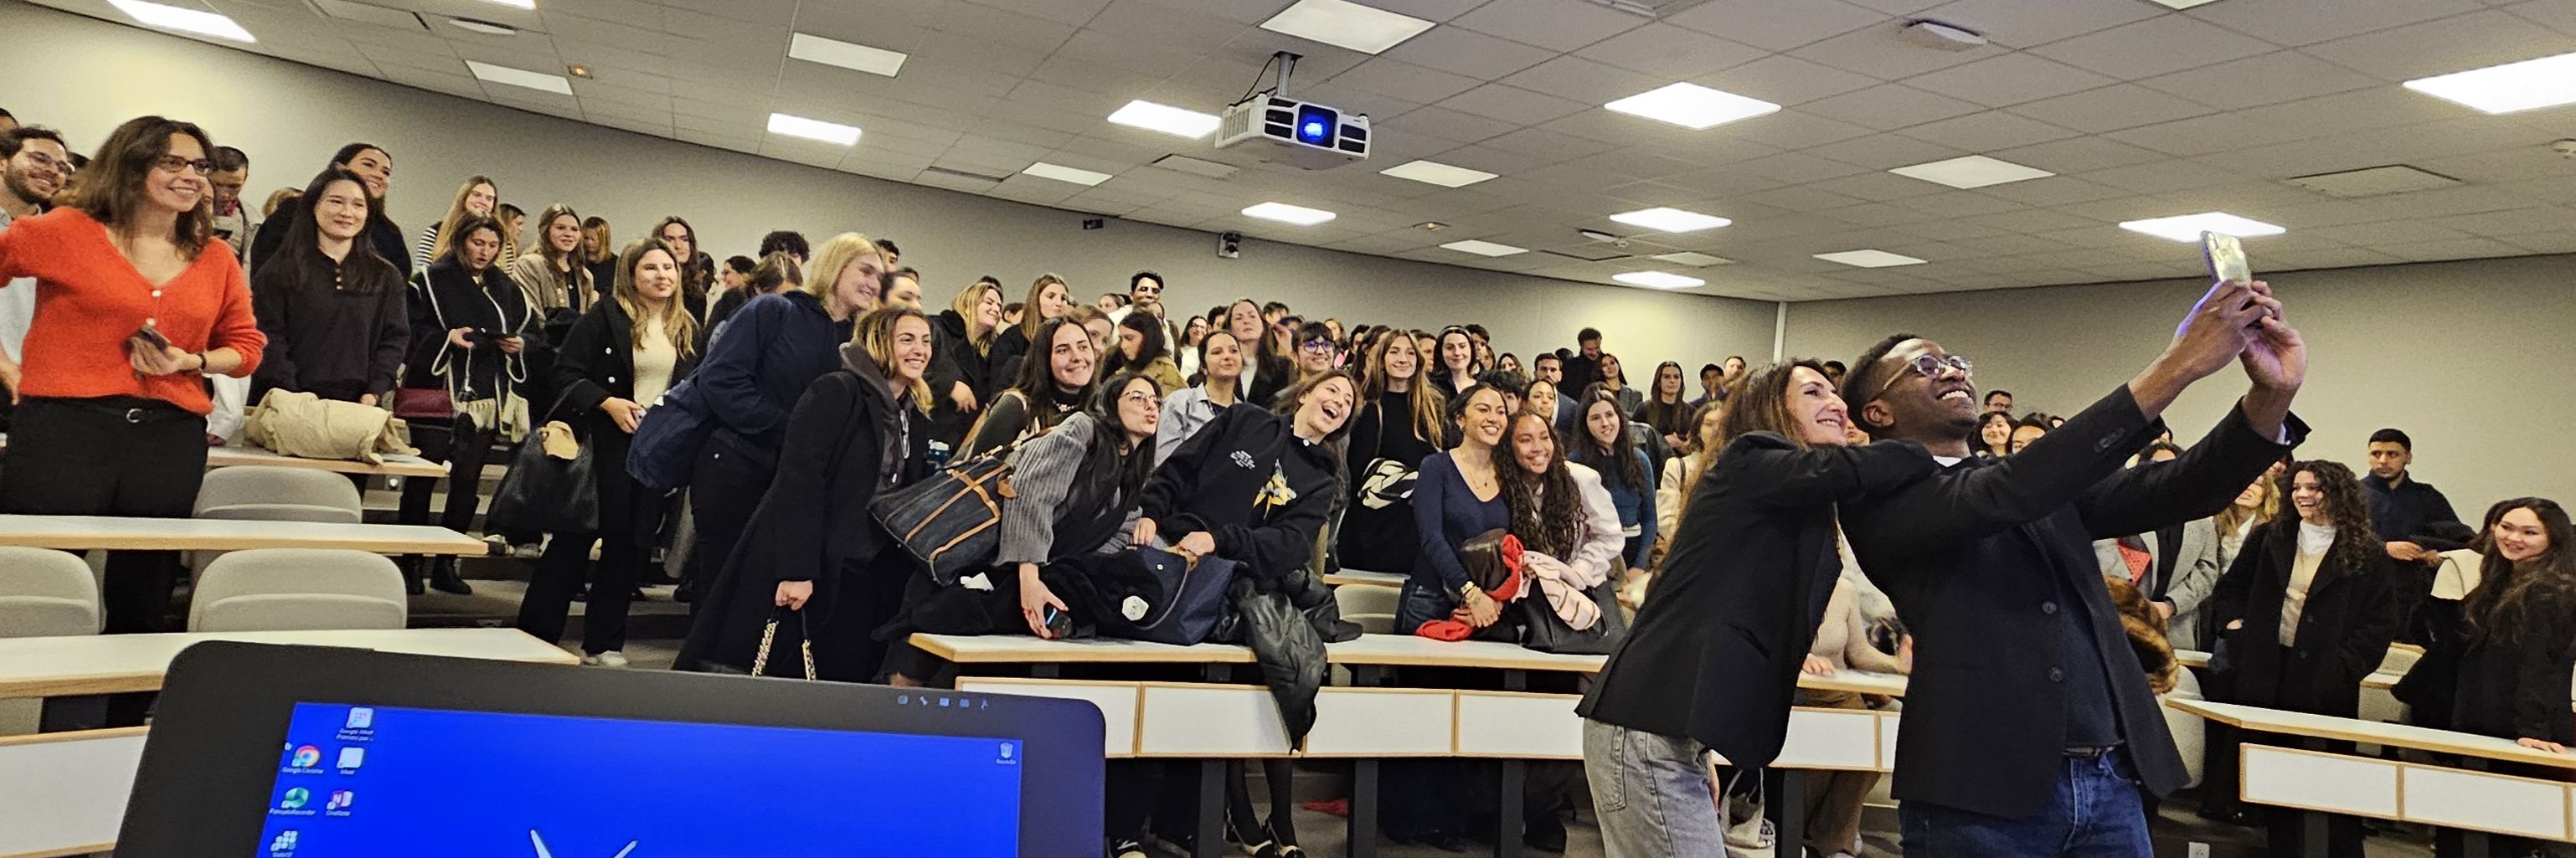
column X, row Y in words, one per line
column 769, row 634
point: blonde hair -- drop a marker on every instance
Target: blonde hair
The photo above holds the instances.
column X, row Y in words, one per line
column 874, row 334
column 677, row 322
column 830, row 259
column 1030, row 316
column 965, row 309
column 456, row 212
column 1429, row 406
column 2233, row 517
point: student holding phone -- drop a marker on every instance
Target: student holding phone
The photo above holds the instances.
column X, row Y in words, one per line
column 133, row 313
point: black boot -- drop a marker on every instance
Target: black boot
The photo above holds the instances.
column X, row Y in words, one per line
column 443, row 577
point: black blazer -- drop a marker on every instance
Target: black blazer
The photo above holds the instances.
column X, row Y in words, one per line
column 1975, row 559
column 597, row 362
column 2512, row 691
column 1714, row 654
column 2344, row 630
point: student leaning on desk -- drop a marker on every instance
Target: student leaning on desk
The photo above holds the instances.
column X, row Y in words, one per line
column 134, row 313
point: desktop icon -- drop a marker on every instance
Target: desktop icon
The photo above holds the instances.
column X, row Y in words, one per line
column 305, row 757
column 284, row 843
column 295, row 799
column 351, row 758
column 361, row 718
column 903, row 699
column 943, row 703
column 1006, row 750
column 340, row 800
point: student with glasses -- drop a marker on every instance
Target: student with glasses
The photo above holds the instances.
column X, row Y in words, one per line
column 137, row 305
column 1317, row 351
column 33, row 167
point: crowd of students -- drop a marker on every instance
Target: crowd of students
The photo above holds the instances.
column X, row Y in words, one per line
column 1754, row 529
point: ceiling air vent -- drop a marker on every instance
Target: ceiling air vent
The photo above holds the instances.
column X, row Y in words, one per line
column 371, row 14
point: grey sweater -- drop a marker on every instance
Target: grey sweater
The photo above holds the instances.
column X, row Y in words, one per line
column 1042, row 473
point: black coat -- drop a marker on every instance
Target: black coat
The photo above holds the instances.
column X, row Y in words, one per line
column 1976, row 559
column 450, row 299
column 1255, row 487
column 328, row 335
column 955, row 360
column 1009, row 348
column 848, row 441
column 1377, row 531
column 2344, row 629
column 2519, row 690
column 1714, row 654
column 596, row 363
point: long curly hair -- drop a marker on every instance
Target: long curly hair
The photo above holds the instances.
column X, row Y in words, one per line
column 2355, row 543
column 1546, row 507
column 2510, row 591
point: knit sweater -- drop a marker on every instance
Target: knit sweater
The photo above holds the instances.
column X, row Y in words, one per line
column 90, row 300
column 1045, row 471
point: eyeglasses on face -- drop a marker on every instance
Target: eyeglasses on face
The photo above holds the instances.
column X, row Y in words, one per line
column 174, row 163
column 1142, row 398
column 1929, row 365
column 1318, row 345
column 44, row 161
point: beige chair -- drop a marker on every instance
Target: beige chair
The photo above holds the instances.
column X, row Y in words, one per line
column 1371, row 606
column 270, row 493
column 45, row 593
column 298, row 589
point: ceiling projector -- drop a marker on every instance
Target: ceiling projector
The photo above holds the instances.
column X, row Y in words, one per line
column 1298, row 133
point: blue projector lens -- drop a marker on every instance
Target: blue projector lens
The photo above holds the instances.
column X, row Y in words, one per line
column 1315, row 125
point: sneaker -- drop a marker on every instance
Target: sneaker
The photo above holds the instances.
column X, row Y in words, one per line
column 611, row 658
column 1124, row 848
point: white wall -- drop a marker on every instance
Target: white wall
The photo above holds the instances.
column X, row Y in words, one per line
column 2470, row 358
column 291, row 117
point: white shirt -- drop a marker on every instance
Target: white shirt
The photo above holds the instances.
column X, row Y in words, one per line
column 2314, row 539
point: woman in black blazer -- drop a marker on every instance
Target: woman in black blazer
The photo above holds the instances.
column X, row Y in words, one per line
column 1712, row 660
column 2306, row 612
column 620, row 354
column 812, row 548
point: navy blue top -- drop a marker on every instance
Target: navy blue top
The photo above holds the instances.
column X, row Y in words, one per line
column 768, row 354
column 1446, row 514
column 1636, row 505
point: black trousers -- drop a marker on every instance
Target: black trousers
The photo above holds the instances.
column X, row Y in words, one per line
column 724, row 488
column 116, row 456
column 465, row 446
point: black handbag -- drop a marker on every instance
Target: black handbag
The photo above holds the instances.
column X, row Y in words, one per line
column 544, row 494
column 1192, row 603
column 1544, row 631
column 952, row 520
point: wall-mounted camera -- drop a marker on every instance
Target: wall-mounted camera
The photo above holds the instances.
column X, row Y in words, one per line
column 1230, row 245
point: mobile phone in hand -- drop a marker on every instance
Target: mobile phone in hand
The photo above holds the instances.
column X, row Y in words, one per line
column 150, row 335
column 2227, row 263
column 1058, row 623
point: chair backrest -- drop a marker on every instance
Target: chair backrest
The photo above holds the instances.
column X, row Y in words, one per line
column 2458, row 574
column 271, row 493
column 1370, row 606
column 297, row 589
column 45, row 593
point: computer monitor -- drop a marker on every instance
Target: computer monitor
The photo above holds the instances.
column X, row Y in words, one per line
column 302, row 752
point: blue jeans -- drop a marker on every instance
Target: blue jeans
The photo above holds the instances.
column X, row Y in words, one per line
column 2096, row 813
column 1652, row 793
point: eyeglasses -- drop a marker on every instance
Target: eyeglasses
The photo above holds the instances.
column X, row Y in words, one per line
column 44, row 161
column 1929, row 365
column 174, row 163
column 1318, row 345
column 1142, row 398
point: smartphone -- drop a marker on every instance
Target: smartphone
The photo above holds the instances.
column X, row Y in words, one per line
column 149, row 335
column 1058, row 623
column 2227, row 262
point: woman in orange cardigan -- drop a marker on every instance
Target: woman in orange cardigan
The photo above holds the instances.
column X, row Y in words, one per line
column 135, row 307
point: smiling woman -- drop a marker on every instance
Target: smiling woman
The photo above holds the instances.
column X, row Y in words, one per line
column 111, row 416
column 333, row 310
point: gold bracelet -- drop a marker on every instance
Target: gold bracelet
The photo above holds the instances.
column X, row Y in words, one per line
column 1469, row 589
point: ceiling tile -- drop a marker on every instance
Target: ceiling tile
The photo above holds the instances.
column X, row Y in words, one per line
column 2054, row 191
column 1876, row 51
column 1583, row 80
column 1511, row 104
column 2079, row 154
column 1548, row 24
column 1798, row 168
column 1786, row 80
column 2385, row 232
column 2304, row 22
column 1466, row 52
column 1987, row 131
column 1791, row 130
column 2022, row 24
column 2266, row 79
column 2160, row 176
column 1774, row 25
column 1888, row 106
column 2460, row 43
column 995, row 25
column 2166, row 43
column 1879, row 185
column 2112, row 108
column 1547, row 144
column 1404, row 80
column 1448, row 124
column 1801, row 198
column 2009, row 79
column 2557, row 15
column 1670, row 52
column 1723, row 181
column 1884, row 151
column 2457, row 248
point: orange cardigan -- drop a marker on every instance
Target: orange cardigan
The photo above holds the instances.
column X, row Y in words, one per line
column 89, row 301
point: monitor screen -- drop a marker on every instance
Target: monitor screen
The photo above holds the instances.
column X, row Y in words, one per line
column 388, row 782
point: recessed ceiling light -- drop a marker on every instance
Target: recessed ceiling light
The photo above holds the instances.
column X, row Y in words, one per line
column 198, row 21
column 1694, row 260
column 1063, row 173
column 1437, row 173
column 578, row 70
column 2508, row 88
column 1484, row 248
column 490, row 73
column 1973, row 171
column 1345, row 24
column 855, row 57
column 2189, row 227
column 1692, row 106
column 1165, row 118
column 1662, row 219
column 484, row 27
column 1658, row 280
column 2182, row 4
column 1285, row 213
column 1869, row 258
column 813, row 129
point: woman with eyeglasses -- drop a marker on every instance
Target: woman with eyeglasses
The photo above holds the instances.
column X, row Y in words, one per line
column 1187, row 352
column 136, row 305
column 1052, row 386
column 335, row 312
column 1317, row 351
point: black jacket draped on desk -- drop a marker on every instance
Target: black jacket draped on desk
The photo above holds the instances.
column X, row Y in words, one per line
column 1975, row 559
column 1714, row 654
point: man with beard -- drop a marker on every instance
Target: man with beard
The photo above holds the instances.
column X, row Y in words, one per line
column 33, row 165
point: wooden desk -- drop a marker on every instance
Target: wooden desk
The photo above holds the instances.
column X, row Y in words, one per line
column 2474, row 801
column 113, row 664
column 77, row 802
column 82, row 533
column 2191, row 658
column 394, row 466
column 1359, row 578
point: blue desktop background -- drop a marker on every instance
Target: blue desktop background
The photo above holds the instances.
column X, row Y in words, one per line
column 444, row 784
